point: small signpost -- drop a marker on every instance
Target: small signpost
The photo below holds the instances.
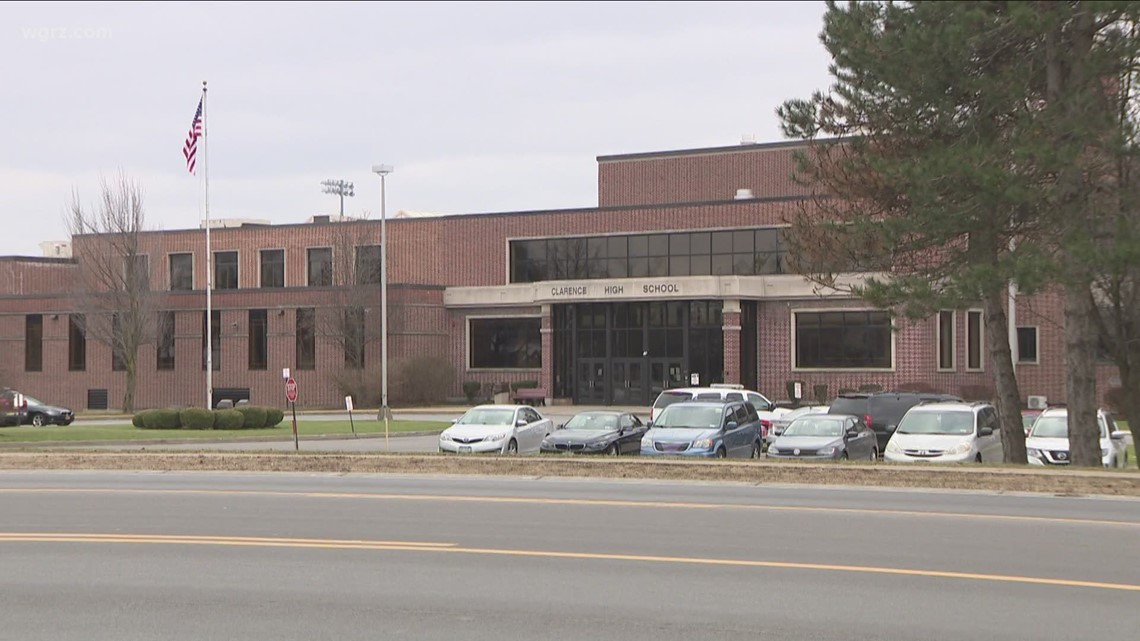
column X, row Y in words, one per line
column 348, row 406
column 291, row 396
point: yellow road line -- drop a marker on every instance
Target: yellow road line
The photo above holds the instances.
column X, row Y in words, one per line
column 592, row 503
column 401, row 546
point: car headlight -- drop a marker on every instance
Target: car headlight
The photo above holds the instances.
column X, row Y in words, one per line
column 960, row 448
column 703, row 444
column 597, row 445
column 546, row 444
column 826, row 451
column 894, row 448
column 646, row 441
column 1104, row 452
column 1033, row 452
column 496, row 437
column 445, row 437
column 773, row 449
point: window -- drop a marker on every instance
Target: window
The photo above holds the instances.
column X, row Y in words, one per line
column 136, row 273
column 215, row 340
column 320, row 267
column 258, row 339
column 1027, row 345
column 165, row 351
column 354, row 338
column 306, row 356
column 946, row 341
column 368, row 265
column 34, row 343
column 974, row 339
column 181, row 272
column 843, row 340
column 225, row 270
column 118, row 348
column 272, row 268
column 508, row 343
column 76, row 343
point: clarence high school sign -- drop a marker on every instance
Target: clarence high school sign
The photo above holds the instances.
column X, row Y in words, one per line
column 605, row 290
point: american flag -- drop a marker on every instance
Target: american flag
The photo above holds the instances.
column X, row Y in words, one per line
column 190, row 148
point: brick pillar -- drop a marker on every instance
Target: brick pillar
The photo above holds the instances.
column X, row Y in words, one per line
column 731, row 324
column 547, row 330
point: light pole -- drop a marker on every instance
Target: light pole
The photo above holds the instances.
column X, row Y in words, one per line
column 383, row 171
column 340, row 188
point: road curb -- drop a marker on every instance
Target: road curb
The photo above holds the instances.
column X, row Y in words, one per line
column 51, row 445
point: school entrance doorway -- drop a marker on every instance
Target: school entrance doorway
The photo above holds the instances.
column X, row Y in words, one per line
column 627, row 353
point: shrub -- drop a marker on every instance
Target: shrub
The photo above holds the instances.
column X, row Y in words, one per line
column 139, row 419
column 1114, row 398
column 422, row 381
column 164, row 419
column 273, row 416
column 821, row 396
column 363, row 385
column 517, row 385
column 918, row 386
column 252, row 417
column 977, row 393
column 196, row 418
column 228, row 419
column 470, row 389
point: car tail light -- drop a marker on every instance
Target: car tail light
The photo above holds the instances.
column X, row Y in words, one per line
column 765, row 425
column 867, row 420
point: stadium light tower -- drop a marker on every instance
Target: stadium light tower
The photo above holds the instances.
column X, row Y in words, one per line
column 340, row 188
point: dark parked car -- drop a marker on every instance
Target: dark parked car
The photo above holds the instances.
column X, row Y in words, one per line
column 825, row 436
column 882, row 411
column 601, row 432
column 39, row 413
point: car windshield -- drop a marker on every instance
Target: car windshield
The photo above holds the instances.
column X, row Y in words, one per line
column 815, row 426
column 487, row 416
column 702, row 418
column 32, row 401
column 1051, row 427
column 668, row 398
column 1027, row 420
column 593, row 422
column 951, row 422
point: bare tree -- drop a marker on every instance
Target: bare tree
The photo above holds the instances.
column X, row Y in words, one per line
column 113, row 288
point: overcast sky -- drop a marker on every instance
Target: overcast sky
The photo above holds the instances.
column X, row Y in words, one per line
column 480, row 107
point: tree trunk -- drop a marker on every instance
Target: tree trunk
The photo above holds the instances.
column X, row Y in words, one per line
column 1005, row 380
column 1130, row 381
column 1080, row 383
column 132, row 379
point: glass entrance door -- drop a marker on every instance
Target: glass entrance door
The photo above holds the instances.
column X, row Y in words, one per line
column 665, row 374
column 591, row 381
column 627, row 382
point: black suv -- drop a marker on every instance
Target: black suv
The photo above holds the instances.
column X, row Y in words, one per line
column 882, row 411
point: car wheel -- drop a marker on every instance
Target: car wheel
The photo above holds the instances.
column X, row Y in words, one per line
column 874, row 455
column 721, row 453
column 843, row 456
column 755, row 450
column 38, row 420
column 978, row 458
column 513, row 447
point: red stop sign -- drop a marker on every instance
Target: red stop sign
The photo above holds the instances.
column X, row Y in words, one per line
column 291, row 390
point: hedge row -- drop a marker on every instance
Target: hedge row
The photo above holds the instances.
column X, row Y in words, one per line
column 196, row 418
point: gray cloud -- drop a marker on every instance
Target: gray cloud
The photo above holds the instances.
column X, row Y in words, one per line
column 479, row 106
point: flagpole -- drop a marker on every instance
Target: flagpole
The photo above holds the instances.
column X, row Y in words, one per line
column 209, row 261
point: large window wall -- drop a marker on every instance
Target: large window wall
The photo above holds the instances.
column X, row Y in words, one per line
column 743, row 252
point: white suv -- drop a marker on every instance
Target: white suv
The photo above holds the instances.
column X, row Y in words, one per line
column 1048, row 440
column 765, row 409
column 947, row 433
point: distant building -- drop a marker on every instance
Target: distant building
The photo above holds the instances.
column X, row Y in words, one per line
column 56, row 249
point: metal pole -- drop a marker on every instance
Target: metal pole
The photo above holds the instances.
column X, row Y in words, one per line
column 384, row 308
column 209, row 261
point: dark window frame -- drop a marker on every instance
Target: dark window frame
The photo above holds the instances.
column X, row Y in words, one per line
column 1021, row 357
column 324, row 276
column 368, row 268
column 525, row 355
column 258, row 340
column 827, row 345
column 230, row 283
column 946, row 345
column 77, row 343
column 34, row 343
column 179, row 275
column 165, row 352
column 305, row 355
column 975, row 341
column 275, row 270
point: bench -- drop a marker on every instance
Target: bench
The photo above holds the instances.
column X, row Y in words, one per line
column 530, row 396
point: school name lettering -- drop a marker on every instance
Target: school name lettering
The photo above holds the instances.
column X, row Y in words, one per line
column 662, row 288
column 579, row 291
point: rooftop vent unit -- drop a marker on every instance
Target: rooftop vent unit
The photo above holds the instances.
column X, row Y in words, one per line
column 1037, row 402
column 321, row 219
column 743, row 194
column 748, row 139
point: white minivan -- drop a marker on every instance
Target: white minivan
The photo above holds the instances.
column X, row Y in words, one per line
column 765, row 409
column 947, row 433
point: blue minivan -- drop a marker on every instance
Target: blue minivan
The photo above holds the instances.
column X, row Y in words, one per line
column 713, row 429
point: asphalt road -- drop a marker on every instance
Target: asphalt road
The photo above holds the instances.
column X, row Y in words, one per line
column 190, row 556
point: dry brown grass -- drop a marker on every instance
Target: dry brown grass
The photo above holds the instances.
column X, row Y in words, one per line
column 993, row 478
